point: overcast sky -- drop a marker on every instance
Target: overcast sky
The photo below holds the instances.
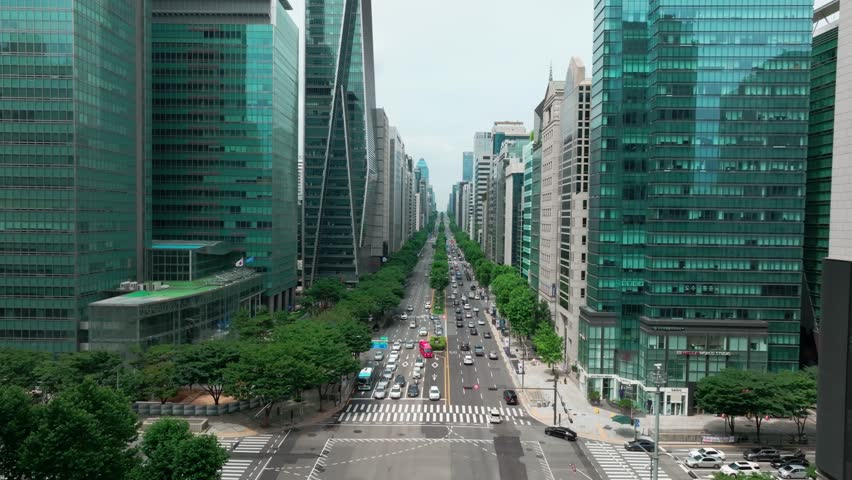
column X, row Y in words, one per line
column 448, row 68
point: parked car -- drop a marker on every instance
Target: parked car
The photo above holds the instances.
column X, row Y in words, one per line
column 641, row 445
column 510, row 397
column 703, row 461
column 741, row 468
column 710, row 452
column 561, row 432
column 793, row 471
column 761, row 454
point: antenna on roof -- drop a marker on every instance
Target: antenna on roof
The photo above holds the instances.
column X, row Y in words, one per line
column 551, row 71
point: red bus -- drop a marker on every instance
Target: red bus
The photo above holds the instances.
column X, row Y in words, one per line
column 425, row 349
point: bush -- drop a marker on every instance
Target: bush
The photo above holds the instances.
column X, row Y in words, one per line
column 625, row 404
column 438, row 343
column 594, row 396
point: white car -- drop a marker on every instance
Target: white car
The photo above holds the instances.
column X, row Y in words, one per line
column 420, row 362
column 391, row 365
column 393, row 357
column 467, row 306
column 423, row 332
column 475, row 309
column 417, row 372
column 381, row 391
column 404, row 316
column 480, row 321
column 427, row 306
column 434, row 393
column 396, row 346
column 468, row 360
column 708, row 452
column 793, row 471
column 494, row 416
column 410, row 308
column 703, row 461
column 741, row 468
column 412, row 324
column 396, row 392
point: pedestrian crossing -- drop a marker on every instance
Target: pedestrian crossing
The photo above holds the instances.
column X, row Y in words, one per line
column 234, row 468
column 228, row 443
column 420, row 413
column 619, row 464
column 253, row 444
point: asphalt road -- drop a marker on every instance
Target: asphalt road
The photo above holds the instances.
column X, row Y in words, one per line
column 415, row 438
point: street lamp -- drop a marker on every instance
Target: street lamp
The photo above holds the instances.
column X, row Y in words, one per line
column 658, row 377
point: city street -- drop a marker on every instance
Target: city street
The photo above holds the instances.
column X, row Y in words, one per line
column 449, row 438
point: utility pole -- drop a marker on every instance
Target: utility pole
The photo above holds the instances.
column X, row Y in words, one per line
column 555, row 381
column 658, row 377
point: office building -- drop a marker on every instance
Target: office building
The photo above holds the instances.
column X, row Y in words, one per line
column 74, row 161
column 467, row 166
column 551, row 161
column 833, row 52
column 424, row 170
column 396, row 177
column 339, row 146
column 482, row 147
column 504, row 207
column 225, row 132
column 696, row 191
column 574, row 198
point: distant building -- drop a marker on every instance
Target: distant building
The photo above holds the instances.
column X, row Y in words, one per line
column 467, row 166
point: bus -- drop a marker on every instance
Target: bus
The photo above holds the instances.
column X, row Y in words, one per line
column 425, row 349
column 366, row 377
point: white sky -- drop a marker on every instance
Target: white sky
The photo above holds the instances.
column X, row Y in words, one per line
column 448, row 68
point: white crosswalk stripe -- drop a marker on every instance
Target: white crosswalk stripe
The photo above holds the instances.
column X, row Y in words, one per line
column 419, row 413
column 235, row 468
column 619, row 464
column 252, row 444
column 226, row 443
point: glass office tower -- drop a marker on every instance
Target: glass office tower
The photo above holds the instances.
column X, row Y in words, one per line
column 339, row 150
column 225, row 134
column 71, row 98
column 699, row 140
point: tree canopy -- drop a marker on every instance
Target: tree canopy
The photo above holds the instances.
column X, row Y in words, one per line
column 548, row 345
column 172, row 452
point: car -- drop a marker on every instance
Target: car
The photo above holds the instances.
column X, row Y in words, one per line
column 641, row 445
column 475, row 309
column 453, row 296
column 439, row 332
column 492, row 355
column 379, row 356
column 409, row 344
column 465, row 346
column 459, row 317
column 412, row 324
column 417, row 372
column 474, row 331
column 434, row 393
column 783, row 462
column 410, row 308
column 709, row 452
column 404, row 316
column 494, row 416
column 468, row 315
column 471, row 295
column 420, row 362
column 459, row 323
column 396, row 392
column 423, row 332
column 761, row 454
column 458, row 310
column 387, row 373
column 703, row 461
column 413, row 390
column 561, row 432
column 427, row 306
column 399, row 380
column 392, row 364
column 381, row 391
column 741, row 468
column 487, row 334
column 510, row 397
column 455, row 291
column 396, row 346
column 470, row 325
column 478, row 350
column 793, row 471
column 480, row 321
column 455, row 303
column 467, row 306
column 468, row 360
column 394, row 356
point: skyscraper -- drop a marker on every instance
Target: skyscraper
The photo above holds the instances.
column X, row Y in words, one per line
column 424, row 170
column 467, row 166
column 74, row 162
column 225, row 136
column 339, row 150
column 698, row 147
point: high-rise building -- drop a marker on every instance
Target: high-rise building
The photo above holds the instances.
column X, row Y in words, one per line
column 339, row 146
column 551, row 161
column 397, row 192
column 225, row 132
column 424, row 170
column 382, row 207
column 696, row 191
column 74, row 162
column 482, row 147
column 526, row 238
column 467, row 166
column 574, row 197
column 503, row 220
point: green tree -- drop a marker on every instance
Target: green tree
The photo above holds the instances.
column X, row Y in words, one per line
column 355, row 334
column 84, row 433
column 740, row 392
column 69, row 369
column 161, row 381
column 172, row 452
column 253, row 329
column 325, row 292
column 17, row 420
column 519, row 310
column 204, row 364
column 548, row 345
column 796, row 396
column 19, row 367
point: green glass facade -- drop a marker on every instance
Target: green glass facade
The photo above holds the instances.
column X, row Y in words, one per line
column 69, row 147
column 535, row 213
column 339, row 151
column 820, row 146
column 225, row 135
column 526, row 237
column 699, row 138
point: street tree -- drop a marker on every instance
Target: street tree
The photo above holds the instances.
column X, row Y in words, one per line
column 17, row 420
column 69, row 369
column 204, row 364
column 172, row 452
column 548, row 345
column 797, row 396
column 161, row 380
column 325, row 292
column 83, row 433
column 737, row 393
column 253, row 329
column 519, row 310
column 356, row 335
column 19, row 367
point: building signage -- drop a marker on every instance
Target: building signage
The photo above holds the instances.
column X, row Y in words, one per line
column 703, row 353
column 668, row 329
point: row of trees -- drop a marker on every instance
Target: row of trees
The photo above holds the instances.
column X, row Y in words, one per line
column 746, row 393
column 89, row 432
column 515, row 301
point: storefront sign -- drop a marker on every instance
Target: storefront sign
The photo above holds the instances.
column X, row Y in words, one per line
column 703, row 353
